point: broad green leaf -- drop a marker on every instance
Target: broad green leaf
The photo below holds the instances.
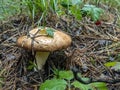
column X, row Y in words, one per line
column 96, row 13
column 81, row 86
column 50, row 32
column 110, row 64
column 113, row 65
column 92, row 86
column 53, row 84
column 66, row 75
column 92, row 11
column 99, row 86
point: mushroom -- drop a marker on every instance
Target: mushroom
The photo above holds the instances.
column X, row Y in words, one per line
column 42, row 43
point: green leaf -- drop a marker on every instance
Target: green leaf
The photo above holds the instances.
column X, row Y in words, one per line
column 50, row 32
column 99, row 86
column 53, row 84
column 113, row 65
column 92, row 11
column 92, row 86
column 81, row 86
column 110, row 64
column 66, row 75
column 85, row 79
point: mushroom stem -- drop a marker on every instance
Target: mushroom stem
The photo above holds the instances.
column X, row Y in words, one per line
column 41, row 58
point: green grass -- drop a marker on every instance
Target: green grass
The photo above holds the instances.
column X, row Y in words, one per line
column 9, row 8
column 41, row 8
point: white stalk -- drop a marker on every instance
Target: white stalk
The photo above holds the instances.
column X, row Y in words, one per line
column 41, row 58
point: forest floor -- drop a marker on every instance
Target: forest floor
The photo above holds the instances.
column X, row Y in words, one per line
column 92, row 46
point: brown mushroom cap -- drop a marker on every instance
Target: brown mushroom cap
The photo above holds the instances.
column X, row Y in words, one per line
column 41, row 42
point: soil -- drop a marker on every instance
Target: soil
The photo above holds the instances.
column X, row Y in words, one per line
column 92, row 46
